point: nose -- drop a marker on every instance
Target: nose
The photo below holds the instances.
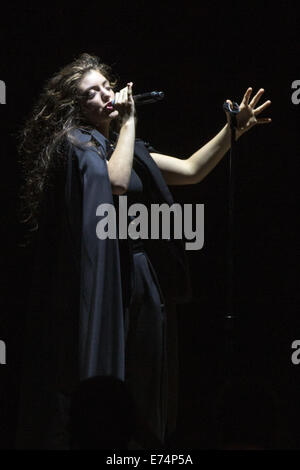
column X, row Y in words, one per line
column 105, row 94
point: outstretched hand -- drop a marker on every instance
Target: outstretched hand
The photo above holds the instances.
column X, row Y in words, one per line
column 247, row 117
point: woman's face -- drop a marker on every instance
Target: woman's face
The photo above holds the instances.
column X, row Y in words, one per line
column 96, row 97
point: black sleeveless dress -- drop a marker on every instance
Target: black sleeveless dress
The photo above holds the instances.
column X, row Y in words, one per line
column 145, row 351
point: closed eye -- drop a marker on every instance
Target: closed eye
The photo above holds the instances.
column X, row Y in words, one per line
column 92, row 91
column 90, row 94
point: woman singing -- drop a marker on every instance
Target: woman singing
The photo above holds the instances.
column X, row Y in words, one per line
column 98, row 305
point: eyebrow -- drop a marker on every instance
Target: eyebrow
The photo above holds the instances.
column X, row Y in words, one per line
column 93, row 86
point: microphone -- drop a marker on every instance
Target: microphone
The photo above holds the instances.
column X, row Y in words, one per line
column 150, row 97
column 146, row 98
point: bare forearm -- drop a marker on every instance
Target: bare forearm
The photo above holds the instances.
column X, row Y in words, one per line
column 120, row 163
column 177, row 171
column 207, row 157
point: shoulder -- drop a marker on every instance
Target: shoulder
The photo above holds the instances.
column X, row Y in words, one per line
column 82, row 140
column 78, row 136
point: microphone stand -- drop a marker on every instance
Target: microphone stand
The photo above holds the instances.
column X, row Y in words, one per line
column 231, row 316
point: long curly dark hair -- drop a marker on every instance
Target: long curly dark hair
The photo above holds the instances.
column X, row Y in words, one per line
column 41, row 140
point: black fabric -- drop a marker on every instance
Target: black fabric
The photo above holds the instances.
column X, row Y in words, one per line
column 167, row 255
column 146, row 355
column 135, row 194
column 82, row 287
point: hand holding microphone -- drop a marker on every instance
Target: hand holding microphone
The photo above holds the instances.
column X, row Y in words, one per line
column 147, row 98
column 124, row 103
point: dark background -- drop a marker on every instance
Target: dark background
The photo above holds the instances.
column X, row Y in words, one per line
column 199, row 54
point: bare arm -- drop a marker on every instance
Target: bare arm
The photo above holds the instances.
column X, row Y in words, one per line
column 120, row 163
column 192, row 170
